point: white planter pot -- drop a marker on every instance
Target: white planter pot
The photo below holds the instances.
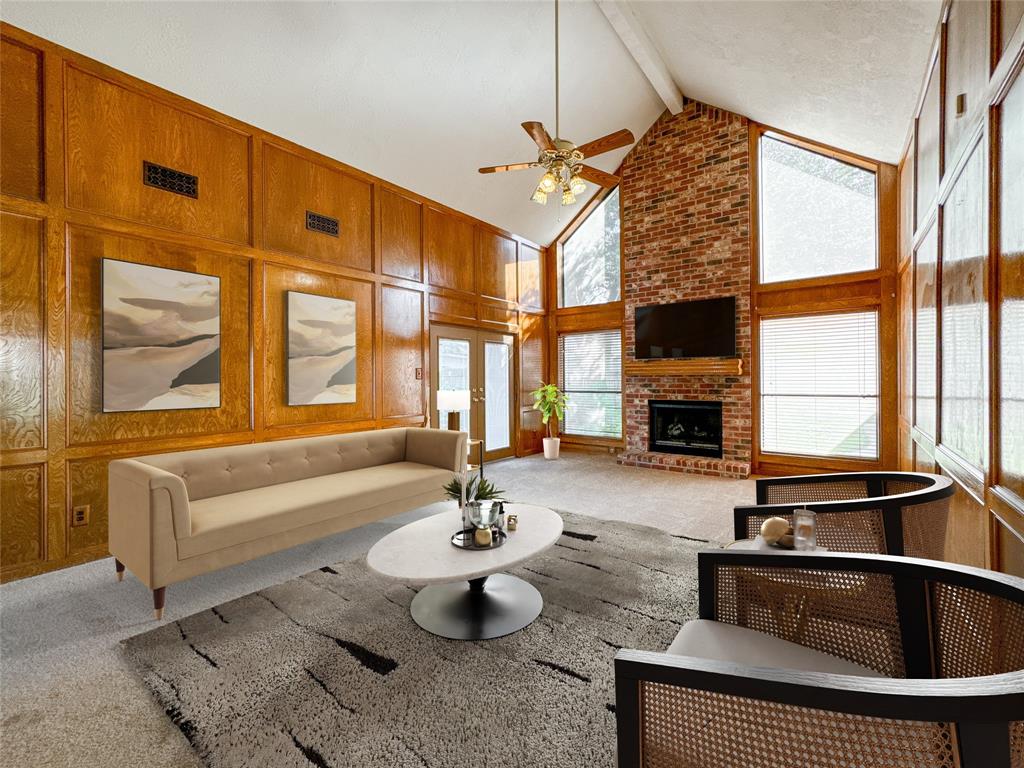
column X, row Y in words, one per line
column 551, row 447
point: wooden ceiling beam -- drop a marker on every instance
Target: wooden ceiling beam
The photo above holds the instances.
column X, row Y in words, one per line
column 633, row 35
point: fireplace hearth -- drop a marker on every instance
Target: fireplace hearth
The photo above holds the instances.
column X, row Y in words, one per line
column 690, row 427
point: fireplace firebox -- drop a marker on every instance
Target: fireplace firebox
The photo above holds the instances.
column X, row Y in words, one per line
column 691, row 427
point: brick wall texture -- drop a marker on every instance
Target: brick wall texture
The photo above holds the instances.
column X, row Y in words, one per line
column 686, row 235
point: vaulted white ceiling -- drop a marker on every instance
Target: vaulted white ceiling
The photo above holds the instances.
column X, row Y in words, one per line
column 423, row 93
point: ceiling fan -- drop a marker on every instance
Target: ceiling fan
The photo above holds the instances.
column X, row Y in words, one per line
column 561, row 159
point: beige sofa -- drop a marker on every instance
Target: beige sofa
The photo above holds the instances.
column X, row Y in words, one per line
column 176, row 515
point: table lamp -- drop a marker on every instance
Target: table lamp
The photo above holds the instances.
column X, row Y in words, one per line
column 454, row 401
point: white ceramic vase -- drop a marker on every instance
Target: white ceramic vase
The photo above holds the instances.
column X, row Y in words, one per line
column 551, row 447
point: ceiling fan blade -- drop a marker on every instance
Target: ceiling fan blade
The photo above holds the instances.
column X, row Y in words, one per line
column 607, row 143
column 512, row 167
column 539, row 134
column 598, row 177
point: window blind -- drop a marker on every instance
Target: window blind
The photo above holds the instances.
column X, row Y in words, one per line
column 590, row 374
column 819, row 385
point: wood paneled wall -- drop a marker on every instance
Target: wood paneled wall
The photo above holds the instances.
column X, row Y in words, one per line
column 960, row 285
column 73, row 136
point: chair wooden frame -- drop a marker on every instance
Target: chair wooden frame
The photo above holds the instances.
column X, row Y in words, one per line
column 979, row 709
column 891, row 507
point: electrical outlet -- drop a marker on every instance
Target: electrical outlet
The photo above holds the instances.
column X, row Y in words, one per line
column 80, row 515
column 419, row 374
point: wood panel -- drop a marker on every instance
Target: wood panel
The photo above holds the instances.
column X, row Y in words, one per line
column 964, row 316
column 448, row 242
column 21, row 130
column 965, row 532
column 112, row 130
column 277, row 281
column 451, row 308
column 100, row 126
column 907, row 212
column 1010, row 547
column 22, row 514
column 496, row 263
column 87, row 483
column 1010, row 407
column 926, row 319
column 906, row 367
column 87, row 422
column 531, row 277
column 532, row 373
column 402, row 352
column 693, row 366
column 22, row 332
column 928, row 148
column 967, row 68
column 401, row 236
column 294, row 186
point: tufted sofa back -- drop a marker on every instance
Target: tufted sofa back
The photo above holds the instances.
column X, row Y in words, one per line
column 230, row 469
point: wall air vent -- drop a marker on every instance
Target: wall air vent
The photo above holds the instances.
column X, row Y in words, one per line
column 317, row 222
column 170, row 180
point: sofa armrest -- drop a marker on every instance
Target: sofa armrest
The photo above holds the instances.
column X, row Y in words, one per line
column 152, row 479
column 442, row 448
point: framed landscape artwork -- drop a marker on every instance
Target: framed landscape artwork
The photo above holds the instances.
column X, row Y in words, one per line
column 161, row 338
column 321, row 349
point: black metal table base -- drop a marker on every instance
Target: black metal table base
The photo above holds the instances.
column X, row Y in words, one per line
column 480, row 609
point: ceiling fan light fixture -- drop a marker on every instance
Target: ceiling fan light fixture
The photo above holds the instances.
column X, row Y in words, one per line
column 568, row 198
column 577, row 184
column 540, row 196
column 548, row 183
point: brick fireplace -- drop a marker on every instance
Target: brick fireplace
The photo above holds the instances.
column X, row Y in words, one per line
column 686, row 235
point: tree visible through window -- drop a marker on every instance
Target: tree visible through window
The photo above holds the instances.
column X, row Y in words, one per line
column 589, row 272
column 817, row 215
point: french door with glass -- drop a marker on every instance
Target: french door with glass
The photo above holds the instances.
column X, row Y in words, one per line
column 471, row 374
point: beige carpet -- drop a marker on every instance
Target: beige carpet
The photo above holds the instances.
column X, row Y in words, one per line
column 68, row 697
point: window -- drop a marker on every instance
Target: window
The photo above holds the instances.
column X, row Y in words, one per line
column 590, row 366
column 819, row 385
column 817, row 215
column 589, row 272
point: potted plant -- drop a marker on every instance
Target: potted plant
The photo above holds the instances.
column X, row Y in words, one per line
column 550, row 401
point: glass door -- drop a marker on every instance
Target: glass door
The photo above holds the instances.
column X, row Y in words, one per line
column 472, row 377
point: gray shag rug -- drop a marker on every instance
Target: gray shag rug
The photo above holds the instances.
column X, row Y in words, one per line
column 330, row 670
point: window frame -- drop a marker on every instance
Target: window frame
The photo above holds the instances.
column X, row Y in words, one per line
column 621, row 391
column 846, row 292
column 591, row 317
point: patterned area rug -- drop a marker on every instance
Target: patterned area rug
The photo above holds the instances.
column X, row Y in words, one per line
column 329, row 670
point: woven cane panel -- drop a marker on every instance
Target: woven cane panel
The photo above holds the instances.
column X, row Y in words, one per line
column 1017, row 744
column 850, row 615
column 860, row 531
column 836, row 490
column 685, row 728
column 896, row 487
column 976, row 634
column 924, row 529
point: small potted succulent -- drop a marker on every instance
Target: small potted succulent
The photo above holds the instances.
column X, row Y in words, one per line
column 550, row 401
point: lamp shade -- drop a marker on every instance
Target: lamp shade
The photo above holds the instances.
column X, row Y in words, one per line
column 453, row 399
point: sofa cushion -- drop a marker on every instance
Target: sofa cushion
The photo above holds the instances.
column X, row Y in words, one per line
column 727, row 642
column 228, row 469
column 223, row 521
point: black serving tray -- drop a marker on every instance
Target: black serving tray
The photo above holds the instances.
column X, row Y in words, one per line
column 464, row 539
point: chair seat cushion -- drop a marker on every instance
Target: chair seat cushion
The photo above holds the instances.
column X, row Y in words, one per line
column 223, row 521
column 727, row 642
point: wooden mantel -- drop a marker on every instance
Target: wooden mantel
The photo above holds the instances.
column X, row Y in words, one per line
column 692, row 366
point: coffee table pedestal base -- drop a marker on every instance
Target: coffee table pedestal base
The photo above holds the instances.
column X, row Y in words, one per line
column 480, row 609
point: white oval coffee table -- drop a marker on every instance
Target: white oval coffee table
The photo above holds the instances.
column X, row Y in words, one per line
column 467, row 597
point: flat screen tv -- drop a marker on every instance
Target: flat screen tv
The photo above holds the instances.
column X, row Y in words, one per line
column 705, row 328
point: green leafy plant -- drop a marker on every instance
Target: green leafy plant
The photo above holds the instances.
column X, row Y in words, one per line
column 550, row 401
column 477, row 489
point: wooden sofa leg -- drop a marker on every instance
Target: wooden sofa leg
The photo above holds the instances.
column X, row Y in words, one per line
column 119, row 568
column 158, row 602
